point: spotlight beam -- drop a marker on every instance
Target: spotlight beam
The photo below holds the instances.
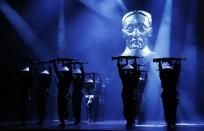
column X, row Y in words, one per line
column 122, row 5
column 61, row 34
column 162, row 47
column 105, row 8
column 30, row 38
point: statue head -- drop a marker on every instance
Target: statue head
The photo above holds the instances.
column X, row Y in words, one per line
column 137, row 29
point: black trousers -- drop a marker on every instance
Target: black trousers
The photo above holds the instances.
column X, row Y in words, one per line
column 24, row 101
column 76, row 105
column 170, row 104
column 129, row 106
column 41, row 104
column 62, row 107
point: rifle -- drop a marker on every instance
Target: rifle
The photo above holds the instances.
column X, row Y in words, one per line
column 125, row 57
column 165, row 59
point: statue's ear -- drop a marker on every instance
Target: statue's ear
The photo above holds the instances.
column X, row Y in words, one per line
column 124, row 33
column 150, row 32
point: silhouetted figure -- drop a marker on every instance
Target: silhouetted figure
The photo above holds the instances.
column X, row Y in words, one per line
column 129, row 74
column 90, row 107
column 169, row 78
column 77, row 95
column 64, row 75
column 44, row 77
column 141, row 98
column 25, row 74
column 90, row 96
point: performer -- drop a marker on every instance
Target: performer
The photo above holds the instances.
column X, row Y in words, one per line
column 77, row 95
column 44, row 77
column 90, row 96
column 129, row 74
column 25, row 75
column 169, row 78
column 64, row 75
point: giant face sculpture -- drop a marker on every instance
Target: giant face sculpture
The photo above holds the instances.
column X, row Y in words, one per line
column 137, row 28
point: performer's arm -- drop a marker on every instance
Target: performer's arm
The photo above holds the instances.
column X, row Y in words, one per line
column 55, row 68
column 82, row 71
column 120, row 70
column 160, row 66
column 160, row 70
column 50, row 69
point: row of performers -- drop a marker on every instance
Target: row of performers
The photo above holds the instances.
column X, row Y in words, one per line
column 133, row 81
column 130, row 75
column 68, row 71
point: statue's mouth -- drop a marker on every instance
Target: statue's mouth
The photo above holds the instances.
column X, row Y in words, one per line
column 136, row 43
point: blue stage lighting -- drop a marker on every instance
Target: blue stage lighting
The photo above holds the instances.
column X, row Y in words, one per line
column 162, row 47
column 30, row 38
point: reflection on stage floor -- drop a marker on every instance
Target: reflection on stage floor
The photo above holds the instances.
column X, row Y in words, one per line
column 104, row 125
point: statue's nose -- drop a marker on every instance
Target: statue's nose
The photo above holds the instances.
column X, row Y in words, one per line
column 136, row 32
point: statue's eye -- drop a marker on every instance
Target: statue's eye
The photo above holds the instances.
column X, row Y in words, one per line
column 130, row 29
column 141, row 28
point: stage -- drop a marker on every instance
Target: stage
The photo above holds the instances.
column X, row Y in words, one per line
column 104, row 125
column 39, row 35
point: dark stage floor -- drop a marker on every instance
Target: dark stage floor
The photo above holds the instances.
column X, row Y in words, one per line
column 104, row 125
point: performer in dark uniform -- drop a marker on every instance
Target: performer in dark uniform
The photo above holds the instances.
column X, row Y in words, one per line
column 25, row 74
column 89, row 96
column 64, row 76
column 44, row 77
column 77, row 95
column 169, row 78
column 129, row 74
column 141, row 98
